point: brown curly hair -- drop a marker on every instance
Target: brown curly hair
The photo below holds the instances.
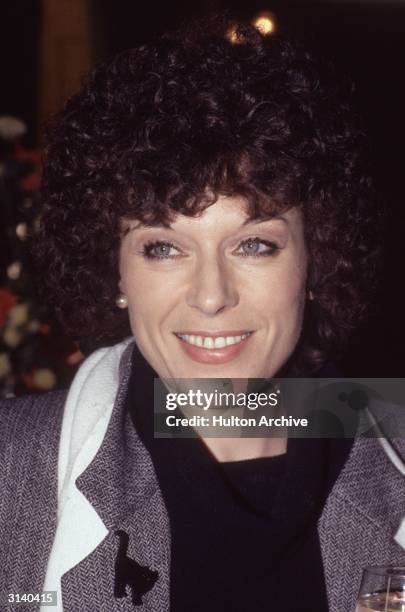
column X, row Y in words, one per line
column 166, row 128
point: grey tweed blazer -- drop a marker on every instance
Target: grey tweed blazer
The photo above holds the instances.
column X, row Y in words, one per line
column 356, row 529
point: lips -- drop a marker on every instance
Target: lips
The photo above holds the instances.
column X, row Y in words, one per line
column 213, row 347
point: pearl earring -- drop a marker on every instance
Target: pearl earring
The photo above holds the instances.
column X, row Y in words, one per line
column 311, row 296
column 122, row 301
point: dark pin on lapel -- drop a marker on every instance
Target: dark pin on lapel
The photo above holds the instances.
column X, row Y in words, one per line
column 130, row 573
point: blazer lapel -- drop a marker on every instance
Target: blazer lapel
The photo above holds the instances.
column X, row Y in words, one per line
column 359, row 522
column 121, row 485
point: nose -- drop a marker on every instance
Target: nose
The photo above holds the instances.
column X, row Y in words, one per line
column 212, row 288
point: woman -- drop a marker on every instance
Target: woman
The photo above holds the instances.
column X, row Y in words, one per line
column 207, row 216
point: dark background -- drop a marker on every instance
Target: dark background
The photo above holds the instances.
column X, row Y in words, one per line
column 365, row 39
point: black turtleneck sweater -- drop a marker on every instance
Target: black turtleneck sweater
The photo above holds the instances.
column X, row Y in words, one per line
column 243, row 533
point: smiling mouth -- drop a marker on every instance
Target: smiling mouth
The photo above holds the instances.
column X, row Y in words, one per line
column 213, row 342
column 215, row 347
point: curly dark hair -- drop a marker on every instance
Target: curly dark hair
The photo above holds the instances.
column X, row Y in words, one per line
column 169, row 126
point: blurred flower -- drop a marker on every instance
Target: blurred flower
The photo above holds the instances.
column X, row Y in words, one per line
column 28, row 336
column 44, row 379
column 27, row 379
column 33, row 325
column 11, row 127
column 7, row 301
column 18, row 315
column 14, row 270
column 32, row 181
column 5, row 366
column 12, row 337
column 21, row 231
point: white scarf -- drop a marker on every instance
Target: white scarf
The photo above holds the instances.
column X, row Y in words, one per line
column 86, row 416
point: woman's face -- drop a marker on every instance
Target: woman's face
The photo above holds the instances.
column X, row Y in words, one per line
column 216, row 295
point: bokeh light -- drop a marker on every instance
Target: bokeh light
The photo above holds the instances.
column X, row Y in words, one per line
column 232, row 36
column 265, row 23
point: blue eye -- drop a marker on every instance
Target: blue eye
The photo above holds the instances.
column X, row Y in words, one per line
column 254, row 247
column 159, row 250
column 257, row 247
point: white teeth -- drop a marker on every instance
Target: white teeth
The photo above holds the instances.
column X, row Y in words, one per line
column 208, row 342
column 234, row 339
column 220, row 342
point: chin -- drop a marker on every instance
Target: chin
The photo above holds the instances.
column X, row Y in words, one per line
column 228, row 370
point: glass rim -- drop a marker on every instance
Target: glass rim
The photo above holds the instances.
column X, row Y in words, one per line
column 398, row 571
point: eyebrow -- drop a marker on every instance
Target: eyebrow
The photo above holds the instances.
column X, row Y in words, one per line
column 249, row 220
column 265, row 218
column 140, row 225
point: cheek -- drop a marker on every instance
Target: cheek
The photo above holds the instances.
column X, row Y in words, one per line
column 292, row 305
column 150, row 299
column 131, row 284
column 136, row 315
column 291, row 312
column 281, row 294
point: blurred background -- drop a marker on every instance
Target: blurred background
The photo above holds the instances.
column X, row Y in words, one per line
column 45, row 48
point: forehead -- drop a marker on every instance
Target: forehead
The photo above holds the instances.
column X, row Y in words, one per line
column 226, row 212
